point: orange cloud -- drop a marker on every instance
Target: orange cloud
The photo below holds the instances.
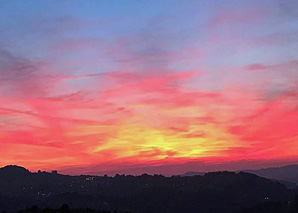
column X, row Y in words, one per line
column 153, row 119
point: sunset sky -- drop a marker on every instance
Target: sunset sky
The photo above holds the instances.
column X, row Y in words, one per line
column 156, row 86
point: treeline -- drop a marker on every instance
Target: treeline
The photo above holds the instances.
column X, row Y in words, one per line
column 65, row 209
column 266, row 207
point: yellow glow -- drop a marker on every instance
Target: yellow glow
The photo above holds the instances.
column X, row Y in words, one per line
column 137, row 141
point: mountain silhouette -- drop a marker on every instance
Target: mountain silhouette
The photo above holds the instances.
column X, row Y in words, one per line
column 14, row 169
column 193, row 173
column 212, row 192
column 287, row 175
column 13, row 172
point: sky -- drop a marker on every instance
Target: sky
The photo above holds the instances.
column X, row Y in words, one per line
column 161, row 86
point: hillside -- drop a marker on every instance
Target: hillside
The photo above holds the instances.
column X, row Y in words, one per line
column 212, row 192
column 285, row 173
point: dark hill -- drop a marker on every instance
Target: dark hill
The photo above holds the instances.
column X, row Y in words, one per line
column 13, row 172
column 285, row 173
column 212, row 192
column 14, row 169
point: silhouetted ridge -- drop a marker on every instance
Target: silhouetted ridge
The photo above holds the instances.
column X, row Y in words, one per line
column 191, row 173
column 213, row 192
column 287, row 175
column 284, row 173
column 14, row 170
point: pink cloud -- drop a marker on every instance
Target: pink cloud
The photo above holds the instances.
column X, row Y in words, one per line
column 224, row 17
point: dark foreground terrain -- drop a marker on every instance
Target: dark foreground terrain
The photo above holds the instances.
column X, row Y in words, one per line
column 213, row 192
